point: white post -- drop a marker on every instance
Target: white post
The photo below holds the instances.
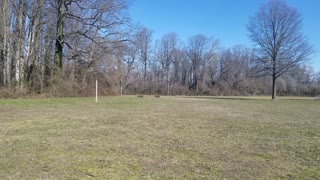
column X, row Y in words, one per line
column 96, row 90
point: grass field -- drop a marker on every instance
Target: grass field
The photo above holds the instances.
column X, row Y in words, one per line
column 160, row 138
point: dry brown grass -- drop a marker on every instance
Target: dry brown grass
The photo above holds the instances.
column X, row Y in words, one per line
column 159, row 138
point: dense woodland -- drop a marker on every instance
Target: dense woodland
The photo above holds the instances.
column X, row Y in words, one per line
column 60, row 47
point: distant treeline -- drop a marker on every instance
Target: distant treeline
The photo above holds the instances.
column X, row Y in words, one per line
column 60, row 47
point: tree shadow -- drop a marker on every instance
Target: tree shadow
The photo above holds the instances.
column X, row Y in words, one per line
column 224, row 97
column 248, row 98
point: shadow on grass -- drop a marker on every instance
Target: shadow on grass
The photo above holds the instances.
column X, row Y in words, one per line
column 227, row 98
column 249, row 98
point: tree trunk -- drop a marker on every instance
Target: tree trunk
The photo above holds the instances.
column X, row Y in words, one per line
column 19, row 45
column 168, row 81
column 34, row 35
column 22, row 42
column 274, row 79
column 59, row 37
column 3, row 69
column 47, row 66
column 126, row 77
column 6, row 18
column 125, row 84
column 121, row 87
column 195, row 78
column 274, row 87
column 8, row 58
column 145, row 74
column 2, row 61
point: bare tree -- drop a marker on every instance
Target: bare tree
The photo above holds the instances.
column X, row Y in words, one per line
column 166, row 52
column 233, row 70
column 144, row 39
column 200, row 50
column 4, row 30
column 225, row 67
column 129, row 58
column 277, row 31
column 19, row 37
column 61, row 7
column 33, row 75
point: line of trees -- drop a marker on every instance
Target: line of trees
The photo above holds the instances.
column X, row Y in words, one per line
column 59, row 47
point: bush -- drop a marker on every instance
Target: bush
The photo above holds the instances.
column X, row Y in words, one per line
column 7, row 94
column 12, row 94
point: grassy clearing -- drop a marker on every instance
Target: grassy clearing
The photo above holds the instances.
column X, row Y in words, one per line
column 160, row 138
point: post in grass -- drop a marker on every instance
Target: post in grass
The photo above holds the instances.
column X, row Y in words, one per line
column 96, row 90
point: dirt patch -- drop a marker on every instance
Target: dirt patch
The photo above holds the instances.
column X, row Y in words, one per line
column 4, row 109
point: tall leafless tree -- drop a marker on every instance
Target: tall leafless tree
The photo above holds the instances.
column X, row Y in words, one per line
column 166, row 52
column 144, row 40
column 200, row 49
column 277, row 31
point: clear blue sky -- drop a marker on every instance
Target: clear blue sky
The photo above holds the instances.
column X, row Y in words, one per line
column 222, row 19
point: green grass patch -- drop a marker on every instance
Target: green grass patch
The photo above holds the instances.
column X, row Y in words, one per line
column 160, row 138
